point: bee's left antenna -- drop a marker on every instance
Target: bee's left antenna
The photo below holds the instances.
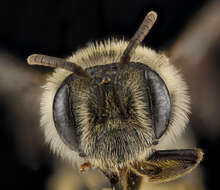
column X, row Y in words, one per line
column 38, row 59
column 139, row 36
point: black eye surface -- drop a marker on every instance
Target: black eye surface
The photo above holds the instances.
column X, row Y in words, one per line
column 64, row 119
column 160, row 102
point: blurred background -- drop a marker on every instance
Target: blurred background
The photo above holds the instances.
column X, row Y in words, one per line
column 187, row 31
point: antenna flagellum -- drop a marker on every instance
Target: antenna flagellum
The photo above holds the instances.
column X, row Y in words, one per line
column 44, row 60
column 138, row 37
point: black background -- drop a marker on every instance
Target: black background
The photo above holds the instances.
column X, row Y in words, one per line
column 58, row 28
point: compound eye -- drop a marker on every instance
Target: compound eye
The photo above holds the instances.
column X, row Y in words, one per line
column 160, row 103
column 64, row 120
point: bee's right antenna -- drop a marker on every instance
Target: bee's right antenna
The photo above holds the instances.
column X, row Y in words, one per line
column 138, row 37
column 38, row 59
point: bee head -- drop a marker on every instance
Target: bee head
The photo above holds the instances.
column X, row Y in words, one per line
column 120, row 112
column 114, row 109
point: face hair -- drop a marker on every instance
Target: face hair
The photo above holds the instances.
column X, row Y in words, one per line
column 138, row 37
column 37, row 59
column 87, row 57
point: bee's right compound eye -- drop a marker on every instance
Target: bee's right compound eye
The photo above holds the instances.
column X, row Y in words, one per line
column 64, row 119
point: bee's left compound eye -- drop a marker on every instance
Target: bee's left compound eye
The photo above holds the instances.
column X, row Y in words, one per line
column 159, row 101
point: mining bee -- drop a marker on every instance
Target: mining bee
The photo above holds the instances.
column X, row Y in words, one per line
column 116, row 106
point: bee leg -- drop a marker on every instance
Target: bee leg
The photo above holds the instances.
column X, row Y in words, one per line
column 125, row 180
column 168, row 165
column 117, row 186
column 113, row 179
column 133, row 181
